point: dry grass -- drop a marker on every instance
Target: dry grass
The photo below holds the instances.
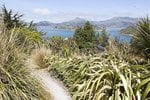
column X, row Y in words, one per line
column 47, row 96
column 16, row 83
column 39, row 57
column 125, row 52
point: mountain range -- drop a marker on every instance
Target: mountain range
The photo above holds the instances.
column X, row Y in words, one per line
column 116, row 22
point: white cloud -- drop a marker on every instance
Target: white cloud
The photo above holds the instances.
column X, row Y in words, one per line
column 60, row 16
column 42, row 11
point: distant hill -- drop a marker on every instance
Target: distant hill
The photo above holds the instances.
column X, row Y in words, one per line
column 128, row 30
column 72, row 24
column 45, row 23
column 116, row 22
column 75, row 22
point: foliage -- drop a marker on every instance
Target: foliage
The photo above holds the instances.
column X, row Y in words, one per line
column 27, row 33
column 17, row 39
column 102, row 43
column 101, row 77
column 143, row 78
column 11, row 20
column 63, row 47
column 105, row 76
column 16, row 83
column 85, row 36
column 103, row 38
column 141, row 37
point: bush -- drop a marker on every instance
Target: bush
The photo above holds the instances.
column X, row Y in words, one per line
column 85, row 36
column 62, row 47
column 31, row 37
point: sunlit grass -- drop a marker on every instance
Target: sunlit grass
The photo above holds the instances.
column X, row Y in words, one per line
column 39, row 56
column 100, row 77
column 16, row 83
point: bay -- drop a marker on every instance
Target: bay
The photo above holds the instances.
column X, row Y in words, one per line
column 112, row 32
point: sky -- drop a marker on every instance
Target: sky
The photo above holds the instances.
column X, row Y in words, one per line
column 64, row 10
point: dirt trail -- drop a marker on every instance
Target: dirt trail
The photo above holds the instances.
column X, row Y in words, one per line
column 51, row 85
column 56, row 89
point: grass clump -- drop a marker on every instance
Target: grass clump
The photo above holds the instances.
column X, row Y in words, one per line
column 39, row 57
column 16, row 83
column 141, row 38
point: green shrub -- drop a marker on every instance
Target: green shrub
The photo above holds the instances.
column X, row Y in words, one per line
column 85, row 36
column 29, row 36
column 62, row 47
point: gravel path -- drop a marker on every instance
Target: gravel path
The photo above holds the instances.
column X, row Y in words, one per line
column 53, row 86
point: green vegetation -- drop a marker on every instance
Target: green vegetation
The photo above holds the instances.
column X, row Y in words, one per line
column 141, row 37
column 15, row 79
column 62, row 47
column 118, row 74
column 85, row 36
column 11, row 20
column 103, row 38
column 16, row 82
column 101, row 77
column 92, row 67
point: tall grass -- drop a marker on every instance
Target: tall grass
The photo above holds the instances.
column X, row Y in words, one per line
column 16, row 83
column 63, row 47
column 101, row 77
column 39, row 57
column 110, row 75
column 141, row 37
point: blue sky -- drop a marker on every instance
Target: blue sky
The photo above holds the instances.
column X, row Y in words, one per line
column 64, row 10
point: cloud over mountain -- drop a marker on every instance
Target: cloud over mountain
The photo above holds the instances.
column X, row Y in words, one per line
column 41, row 11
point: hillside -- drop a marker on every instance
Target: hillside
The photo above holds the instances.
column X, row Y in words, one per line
column 116, row 22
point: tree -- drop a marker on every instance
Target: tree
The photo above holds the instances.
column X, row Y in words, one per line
column 27, row 34
column 11, row 20
column 85, row 36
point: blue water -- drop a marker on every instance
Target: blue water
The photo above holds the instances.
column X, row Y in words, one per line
column 113, row 32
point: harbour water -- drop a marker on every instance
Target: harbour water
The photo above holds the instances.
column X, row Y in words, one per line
column 112, row 32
